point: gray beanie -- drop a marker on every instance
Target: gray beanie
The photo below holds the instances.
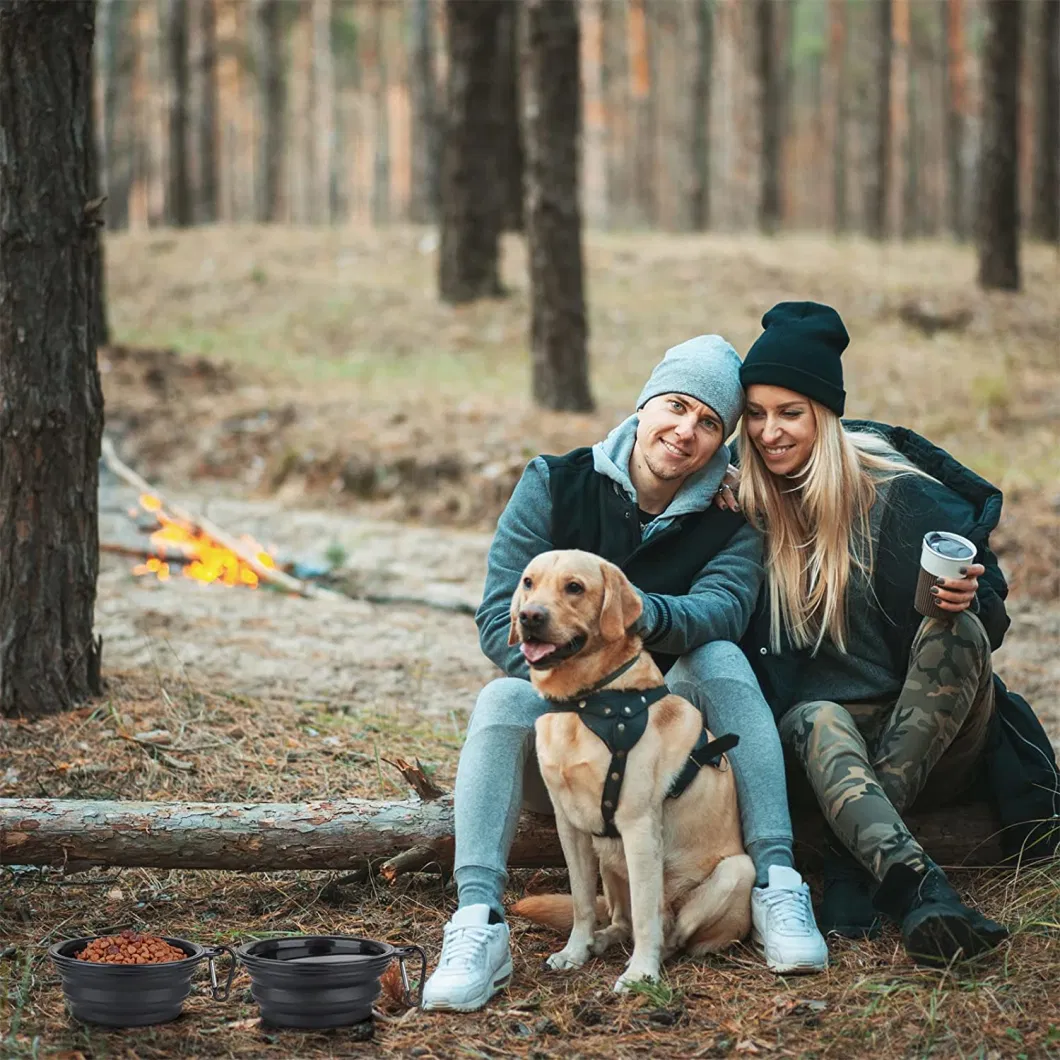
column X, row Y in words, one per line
column 706, row 368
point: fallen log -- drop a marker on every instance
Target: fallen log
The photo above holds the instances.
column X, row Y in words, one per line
column 407, row 836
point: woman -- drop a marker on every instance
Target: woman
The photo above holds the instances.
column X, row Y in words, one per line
column 878, row 705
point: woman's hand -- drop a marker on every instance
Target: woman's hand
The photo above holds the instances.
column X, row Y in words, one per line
column 956, row 594
column 726, row 495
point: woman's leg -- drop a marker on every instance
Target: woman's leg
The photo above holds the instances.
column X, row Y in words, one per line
column 940, row 720
column 837, row 762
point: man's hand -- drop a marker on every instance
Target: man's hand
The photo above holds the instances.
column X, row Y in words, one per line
column 956, row 594
column 726, row 495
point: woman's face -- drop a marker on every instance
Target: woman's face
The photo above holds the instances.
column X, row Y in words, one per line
column 781, row 425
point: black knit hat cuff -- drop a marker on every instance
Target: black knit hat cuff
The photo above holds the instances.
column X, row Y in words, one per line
column 772, row 373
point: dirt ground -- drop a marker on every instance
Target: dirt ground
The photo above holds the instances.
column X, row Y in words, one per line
column 318, row 399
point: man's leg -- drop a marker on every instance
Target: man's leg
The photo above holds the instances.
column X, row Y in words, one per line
column 476, row 958
column 719, row 680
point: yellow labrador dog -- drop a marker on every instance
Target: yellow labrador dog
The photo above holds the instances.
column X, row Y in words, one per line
column 674, row 868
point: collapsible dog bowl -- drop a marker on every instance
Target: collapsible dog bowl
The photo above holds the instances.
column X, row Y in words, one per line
column 316, row 981
column 133, row 995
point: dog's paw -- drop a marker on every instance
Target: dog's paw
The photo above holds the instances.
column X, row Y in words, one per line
column 605, row 938
column 635, row 975
column 567, row 959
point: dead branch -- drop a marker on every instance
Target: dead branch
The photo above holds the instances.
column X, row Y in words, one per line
column 414, row 774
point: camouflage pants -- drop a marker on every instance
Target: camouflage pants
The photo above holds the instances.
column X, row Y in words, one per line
column 867, row 762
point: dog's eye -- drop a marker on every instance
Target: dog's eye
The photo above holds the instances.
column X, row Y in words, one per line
column 528, row 583
column 574, row 588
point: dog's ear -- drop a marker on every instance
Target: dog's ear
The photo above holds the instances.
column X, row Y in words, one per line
column 621, row 606
column 513, row 630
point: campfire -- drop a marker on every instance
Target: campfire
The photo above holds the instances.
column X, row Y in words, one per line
column 196, row 553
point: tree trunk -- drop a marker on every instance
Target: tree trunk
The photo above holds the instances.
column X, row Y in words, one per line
column 998, row 221
column 642, row 156
column 880, row 189
column 836, row 88
column 614, row 88
column 898, row 223
column 175, row 49
column 97, row 220
column 471, row 207
column 1045, row 195
column 114, row 66
column 323, row 89
column 956, row 104
column 699, row 184
column 51, row 415
column 552, row 128
column 267, row 43
column 510, row 156
column 423, row 97
column 379, row 76
column 342, row 834
column 207, row 133
column 769, row 81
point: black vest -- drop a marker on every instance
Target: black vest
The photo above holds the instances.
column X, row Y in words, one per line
column 593, row 513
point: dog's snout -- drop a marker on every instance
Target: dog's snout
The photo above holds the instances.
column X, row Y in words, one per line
column 533, row 617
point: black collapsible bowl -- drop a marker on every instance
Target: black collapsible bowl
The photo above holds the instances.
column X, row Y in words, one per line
column 133, row 995
column 317, row 981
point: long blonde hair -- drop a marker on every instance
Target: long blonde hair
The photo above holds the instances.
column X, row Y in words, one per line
column 816, row 526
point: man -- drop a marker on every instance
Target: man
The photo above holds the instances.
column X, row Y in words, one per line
column 643, row 499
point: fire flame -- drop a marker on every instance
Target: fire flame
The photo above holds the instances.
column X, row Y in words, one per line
column 207, row 560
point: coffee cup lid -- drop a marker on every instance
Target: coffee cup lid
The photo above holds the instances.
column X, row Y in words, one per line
column 944, row 552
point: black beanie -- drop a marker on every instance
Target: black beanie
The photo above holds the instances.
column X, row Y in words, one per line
column 800, row 350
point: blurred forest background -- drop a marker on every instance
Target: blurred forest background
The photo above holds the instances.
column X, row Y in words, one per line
column 836, row 115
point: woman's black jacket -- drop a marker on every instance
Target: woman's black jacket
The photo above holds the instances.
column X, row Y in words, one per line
column 1020, row 765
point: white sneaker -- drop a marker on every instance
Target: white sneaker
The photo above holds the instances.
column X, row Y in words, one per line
column 476, row 962
column 783, row 924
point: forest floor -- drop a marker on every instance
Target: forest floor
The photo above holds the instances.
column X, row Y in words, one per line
column 318, row 398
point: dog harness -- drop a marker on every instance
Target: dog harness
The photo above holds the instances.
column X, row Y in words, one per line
column 619, row 719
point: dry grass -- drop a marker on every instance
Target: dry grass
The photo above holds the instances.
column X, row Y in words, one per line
column 346, row 384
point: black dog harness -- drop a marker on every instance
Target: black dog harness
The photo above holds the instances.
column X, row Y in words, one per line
column 619, row 718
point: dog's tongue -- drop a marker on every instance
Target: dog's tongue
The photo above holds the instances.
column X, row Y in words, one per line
column 535, row 650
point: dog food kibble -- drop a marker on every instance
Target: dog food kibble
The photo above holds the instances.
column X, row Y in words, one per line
column 130, row 947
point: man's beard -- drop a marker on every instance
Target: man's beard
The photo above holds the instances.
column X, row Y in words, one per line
column 663, row 475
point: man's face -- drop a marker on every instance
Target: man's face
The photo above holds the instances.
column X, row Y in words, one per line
column 677, row 435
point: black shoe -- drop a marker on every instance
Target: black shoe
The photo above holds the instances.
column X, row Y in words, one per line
column 846, row 908
column 937, row 927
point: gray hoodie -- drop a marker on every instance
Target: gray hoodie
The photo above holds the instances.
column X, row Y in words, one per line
column 717, row 607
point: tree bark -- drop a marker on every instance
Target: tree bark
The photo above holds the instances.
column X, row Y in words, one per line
column 552, row 128
column 1045, row 195
column 836, row 88
column 207, row 132
column 880, row 189
column 956, row 104
column 423, row 98
column 699, row 184
column 267, row 43
column 377, row 65
column 898, row 220
column 175, row 49
column 614, row 88
column 342, row 834
column 471, row 207
column 51, row 412
column 97, row 219
column 643, row 91
column 510, row 155
column 998, row 221
column 769, row 83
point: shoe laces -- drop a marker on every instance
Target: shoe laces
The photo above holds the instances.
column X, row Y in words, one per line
column 791, row 910
column 462, row 945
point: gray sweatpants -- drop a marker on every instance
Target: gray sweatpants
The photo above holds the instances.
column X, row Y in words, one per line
column 498, row 775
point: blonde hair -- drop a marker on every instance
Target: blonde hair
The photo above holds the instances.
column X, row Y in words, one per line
column 816, row 526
